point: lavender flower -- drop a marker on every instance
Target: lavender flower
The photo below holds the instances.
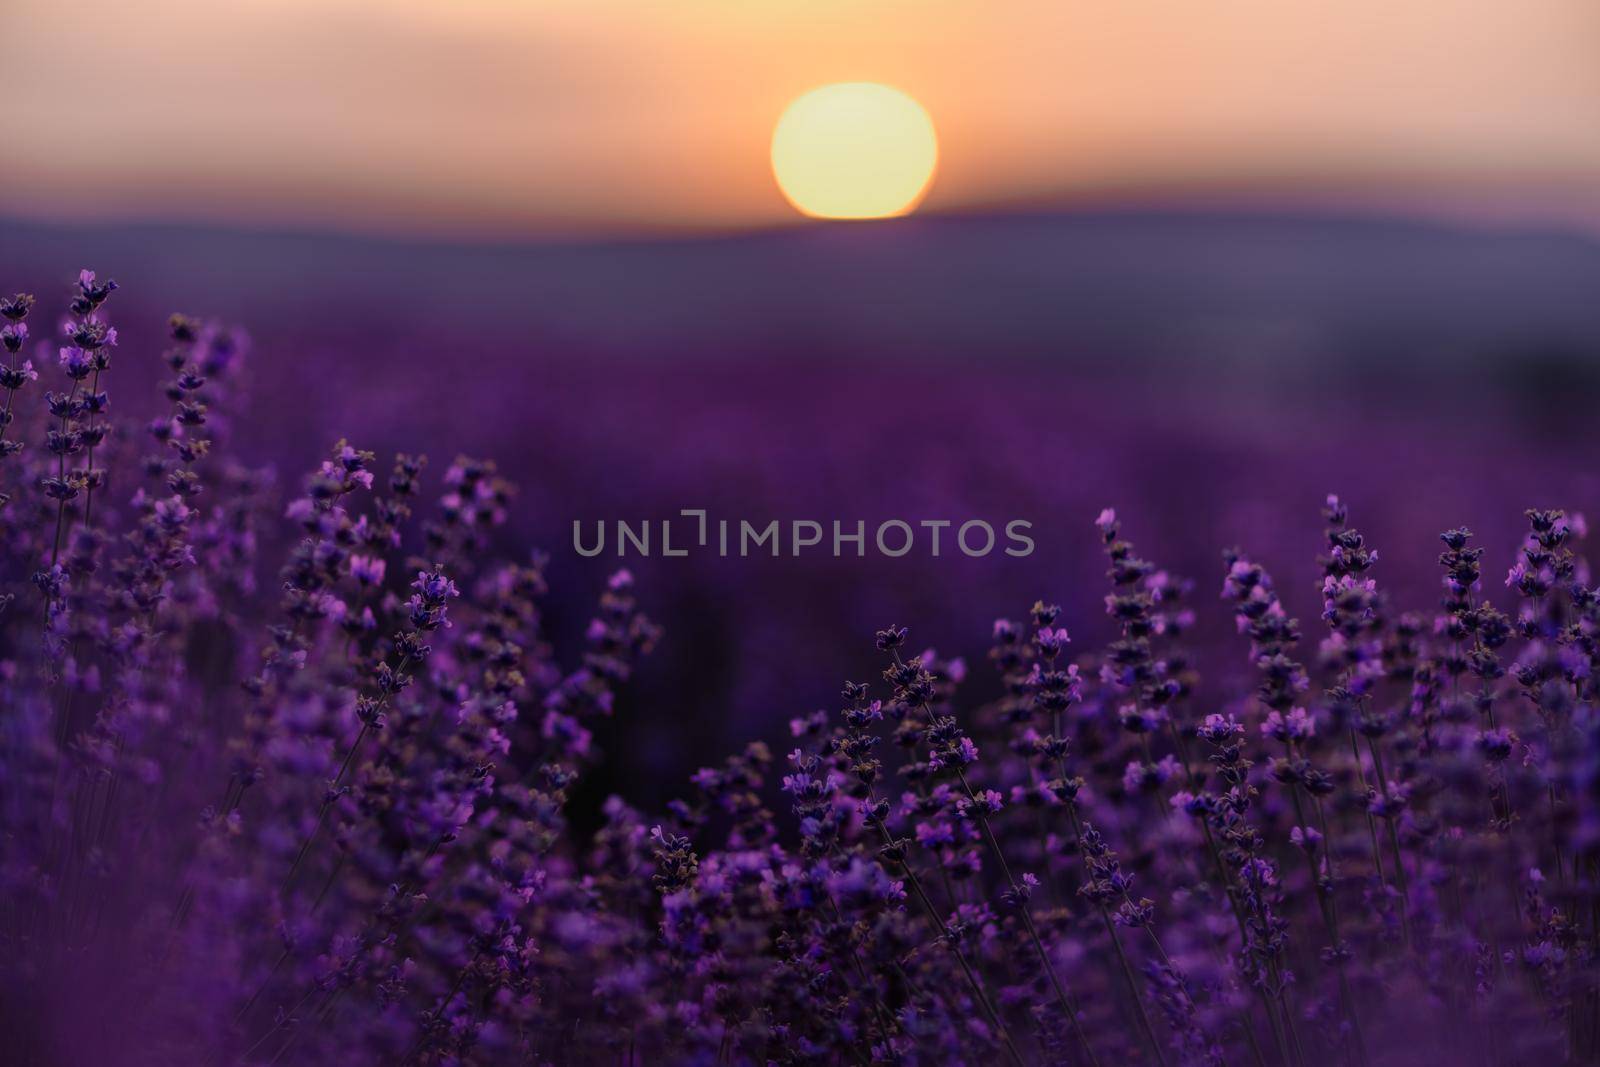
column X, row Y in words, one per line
column 362, row 813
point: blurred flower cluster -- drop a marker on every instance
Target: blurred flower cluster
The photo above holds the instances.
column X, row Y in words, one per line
column 327, row 818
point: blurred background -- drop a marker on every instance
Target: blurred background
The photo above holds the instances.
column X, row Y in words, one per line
column 1202, row 263
column 512, row 118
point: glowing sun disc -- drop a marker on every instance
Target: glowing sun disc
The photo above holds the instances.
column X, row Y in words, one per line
column 854, row 150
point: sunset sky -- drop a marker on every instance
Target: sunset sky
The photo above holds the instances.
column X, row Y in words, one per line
column 533, row 116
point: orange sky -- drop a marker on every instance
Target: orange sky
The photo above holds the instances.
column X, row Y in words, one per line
column 513, row 116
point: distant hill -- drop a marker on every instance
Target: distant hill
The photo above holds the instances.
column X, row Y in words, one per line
column 1228, row 289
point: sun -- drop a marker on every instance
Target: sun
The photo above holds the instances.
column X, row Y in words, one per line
column 854, row 150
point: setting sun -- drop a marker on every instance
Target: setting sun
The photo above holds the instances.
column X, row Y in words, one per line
column 855, row 150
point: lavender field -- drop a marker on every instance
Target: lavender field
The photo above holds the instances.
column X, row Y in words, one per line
column 323, row 745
